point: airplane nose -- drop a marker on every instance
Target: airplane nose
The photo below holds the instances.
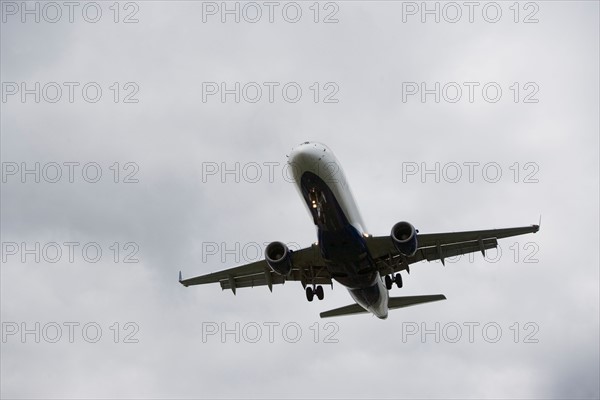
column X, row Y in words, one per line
column 298, row 155
column 301, row 153
column 305, row 157
column 311, row 148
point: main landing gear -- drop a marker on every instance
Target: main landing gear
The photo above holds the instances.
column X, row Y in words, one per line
column 311, row 291
column 389, row 281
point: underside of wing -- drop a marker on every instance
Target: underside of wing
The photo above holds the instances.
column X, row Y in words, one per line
column 307, row 266
column 254, row 268
column 432, row 239
column 269, row 278
column 438, row 246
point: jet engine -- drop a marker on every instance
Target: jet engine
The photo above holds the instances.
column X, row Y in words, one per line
column 404, row 236
column 279, row 258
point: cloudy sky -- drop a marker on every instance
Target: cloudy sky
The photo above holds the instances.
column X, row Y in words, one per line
column 143, row 138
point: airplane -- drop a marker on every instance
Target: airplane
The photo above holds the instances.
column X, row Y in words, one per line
column 368, row 266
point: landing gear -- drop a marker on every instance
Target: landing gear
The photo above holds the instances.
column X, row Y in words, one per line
column 317, row 200
column 389, row 281
column 398, row 280
column 320, row 216
column 319, row 292
column 310, row 293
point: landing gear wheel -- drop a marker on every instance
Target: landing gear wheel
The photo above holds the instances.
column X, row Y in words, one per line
column 388, row 282
column 398, row 280
column 309, row 294
column 319, row 292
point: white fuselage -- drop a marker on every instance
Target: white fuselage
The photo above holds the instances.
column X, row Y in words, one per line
column 322, row 184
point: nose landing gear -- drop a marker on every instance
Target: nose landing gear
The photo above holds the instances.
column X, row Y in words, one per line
column 317, row 202
column 389, row 281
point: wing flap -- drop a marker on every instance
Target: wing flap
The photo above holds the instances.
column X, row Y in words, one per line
column 244, row 270
column 252, row 281
column 452, row 250
column 263, row 280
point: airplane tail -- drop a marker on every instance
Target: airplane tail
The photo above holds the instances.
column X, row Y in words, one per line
column 394, row 302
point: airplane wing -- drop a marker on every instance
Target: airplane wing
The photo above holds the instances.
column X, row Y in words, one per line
column 432, row 246
column 438, row 246
column 259, row 274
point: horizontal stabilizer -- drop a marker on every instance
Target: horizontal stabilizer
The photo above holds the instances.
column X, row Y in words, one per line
column 394, row 302
column 347, row 310
column 399, row 302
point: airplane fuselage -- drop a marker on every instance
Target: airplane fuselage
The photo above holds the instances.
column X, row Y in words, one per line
column 340, row 230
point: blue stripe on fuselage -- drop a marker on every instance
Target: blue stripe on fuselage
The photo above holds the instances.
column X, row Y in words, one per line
column 342, row 246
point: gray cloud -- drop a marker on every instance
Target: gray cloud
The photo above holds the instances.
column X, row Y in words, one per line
column 171, row 134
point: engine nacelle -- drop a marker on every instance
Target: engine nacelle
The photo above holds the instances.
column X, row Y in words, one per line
column 404, row 236
column 279, row 258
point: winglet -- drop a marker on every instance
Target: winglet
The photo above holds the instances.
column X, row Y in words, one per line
column 181, row 280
